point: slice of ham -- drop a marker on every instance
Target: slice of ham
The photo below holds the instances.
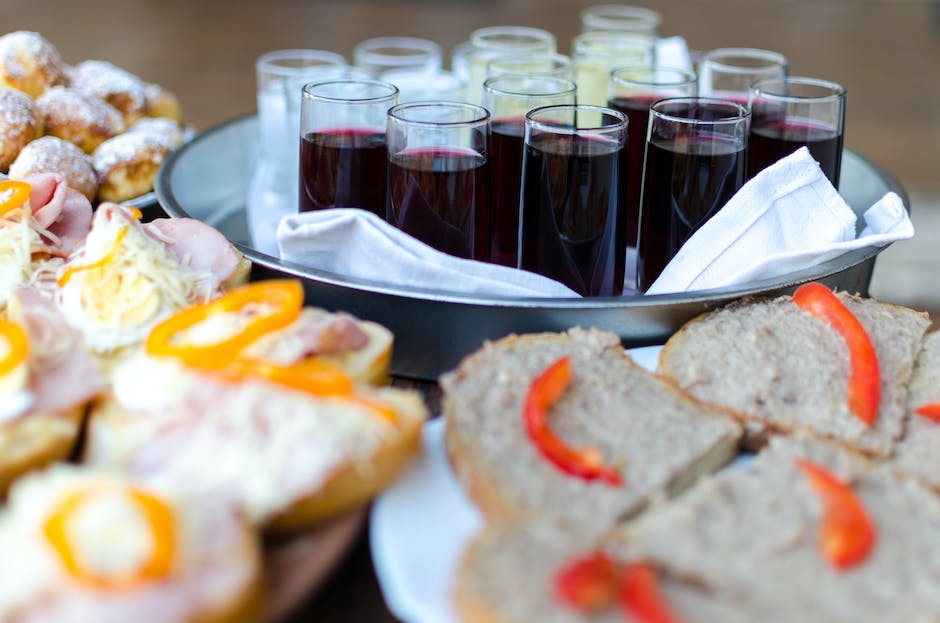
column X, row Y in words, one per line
column 65, row 375
column 197, row 244
column 61, row 210
column 315, row 332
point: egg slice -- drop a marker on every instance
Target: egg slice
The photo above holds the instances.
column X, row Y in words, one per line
column 123, row 281
column 84, row 545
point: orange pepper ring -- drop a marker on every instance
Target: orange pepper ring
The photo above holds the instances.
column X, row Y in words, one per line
column 18, row 197
column 18, row 345
column 159, row 518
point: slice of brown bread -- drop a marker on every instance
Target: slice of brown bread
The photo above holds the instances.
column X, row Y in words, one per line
column 751, row 535
column 783, row 370
column 658, row 438
column 918, row 454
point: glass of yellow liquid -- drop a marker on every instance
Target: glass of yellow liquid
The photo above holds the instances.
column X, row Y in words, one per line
column 494, row 41
column 597, row 53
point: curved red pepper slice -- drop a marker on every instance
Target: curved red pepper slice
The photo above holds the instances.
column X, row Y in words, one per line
column 588, row 583
column 865, row 376
column 545, row 390
column 641, row 598
column 931, row 411
column 847, row 533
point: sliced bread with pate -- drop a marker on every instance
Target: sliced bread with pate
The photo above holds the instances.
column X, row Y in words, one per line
column 657, row 438
column 781, row 369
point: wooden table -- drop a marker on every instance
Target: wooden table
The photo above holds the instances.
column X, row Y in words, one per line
column 885, row 53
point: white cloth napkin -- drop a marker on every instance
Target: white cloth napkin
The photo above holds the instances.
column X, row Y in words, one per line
column 788, row 218
column 357, row 243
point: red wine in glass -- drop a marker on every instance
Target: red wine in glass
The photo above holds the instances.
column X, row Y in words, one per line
column 441, row 196
column 343, row 168
column 773, row 139
column 573, row 214
column 687, row 180
column 506, row 146
column 637, row 110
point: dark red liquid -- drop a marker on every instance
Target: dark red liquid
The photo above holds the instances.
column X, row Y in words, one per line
column 686, row 182
column 637, row 110
column 441, row 197
column 343, row 169
column 573, row 209
column 771, row 140
column 506, row 147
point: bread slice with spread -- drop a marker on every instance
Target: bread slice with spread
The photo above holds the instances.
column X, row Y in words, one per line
column 782, row 369
column 648, row 438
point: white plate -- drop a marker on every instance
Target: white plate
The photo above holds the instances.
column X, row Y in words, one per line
column 420, row 525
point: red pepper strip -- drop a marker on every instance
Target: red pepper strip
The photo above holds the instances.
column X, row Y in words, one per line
column 847, row 534
column 931, row 411
column 641, row 598
column 545, row 390
column 588, row 583
column 865, row 377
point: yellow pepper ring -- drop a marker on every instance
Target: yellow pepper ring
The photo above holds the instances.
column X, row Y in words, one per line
column 17, row 346
column 160, row 521
column 285, row 296
column 18, row 197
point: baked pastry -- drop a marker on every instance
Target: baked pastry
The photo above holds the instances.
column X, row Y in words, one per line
column 47, row 381
column 20, row 123
column 30, row 63
column 294, row 438
column 162, row 103
column 78, row 118
column 780, row 369
column 118, row 87
column 51, row 154
column 127, row 164
column 86, row 545
column 160, row 127
column 654, row 437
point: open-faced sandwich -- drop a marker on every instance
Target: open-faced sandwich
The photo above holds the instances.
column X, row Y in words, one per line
column 253, row 399
column 81, row 545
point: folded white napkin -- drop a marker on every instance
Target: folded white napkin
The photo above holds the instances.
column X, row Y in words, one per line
column 673, row 52
column 788, row 218
column 356, row 243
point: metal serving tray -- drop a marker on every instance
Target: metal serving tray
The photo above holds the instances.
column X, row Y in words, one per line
column 207, row 179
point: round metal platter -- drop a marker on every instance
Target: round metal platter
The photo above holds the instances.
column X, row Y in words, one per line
column 207, row 179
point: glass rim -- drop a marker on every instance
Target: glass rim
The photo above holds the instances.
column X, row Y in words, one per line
column 619, row 11
column 311, row 86
column 395, row 112
column 563, row 60
column 835, row 91
column 690, row 76
column 267, row 62
column 537, row 37
column 770, row 58
column 571, row 87
column 585, row 41
column 743, row 111
column 531, row 121
column 420, row 49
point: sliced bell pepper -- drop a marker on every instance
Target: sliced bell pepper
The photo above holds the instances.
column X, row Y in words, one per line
column 544, row 391
column 641, row 598
column 19, row 195
column 160, row 523
column 865, row 376
column 931, row 411
column 847, row 533
column 284, row 297
column 17, row 346
column 589, row 583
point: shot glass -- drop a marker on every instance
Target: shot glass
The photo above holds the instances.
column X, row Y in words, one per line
column 572, row 208
column 420, row 86
column 597, row 53
column 632, row 90
column 508, row 98
column 343, row 159
column 439, row 175
column 382, row 54
column 494, row 41
column 788, row 113
column 696, row 159
column 728, row 73
column 622, row 18
column 554, row 65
